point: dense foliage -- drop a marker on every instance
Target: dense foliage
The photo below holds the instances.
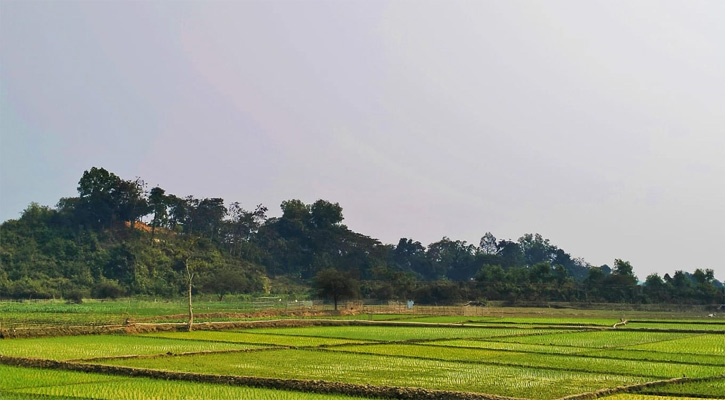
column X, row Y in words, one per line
column 117, row 238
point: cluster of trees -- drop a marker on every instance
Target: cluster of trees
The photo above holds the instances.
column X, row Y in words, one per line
column 118, row 238
column 544, row 282
column 90, row 245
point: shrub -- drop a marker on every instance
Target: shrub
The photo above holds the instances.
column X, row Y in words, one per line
column 108, row 289
column 75, row 296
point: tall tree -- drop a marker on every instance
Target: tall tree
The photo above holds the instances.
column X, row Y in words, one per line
column 655, row 289
column 488, row 244
column 622, row 283
column 97, row 203
column 105, row 198
column 205, row 216
column 510, row 253
column 705, row 289
column 324, row 214
column 242, row 225
column 455, row 259
column 129, row 202
column 179, row 213
column 336, row 285
column 536, row 249
column 158, row 203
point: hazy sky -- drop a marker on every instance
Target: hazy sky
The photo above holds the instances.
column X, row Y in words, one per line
column 599, row 124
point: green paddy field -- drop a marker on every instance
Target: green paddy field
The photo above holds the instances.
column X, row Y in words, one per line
column 545, row 356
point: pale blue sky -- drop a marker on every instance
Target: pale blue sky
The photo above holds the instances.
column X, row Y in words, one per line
column 599, row 124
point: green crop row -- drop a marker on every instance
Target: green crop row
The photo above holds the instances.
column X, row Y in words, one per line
column 528, row 361
column 627, row 353
column 98, row 312
column 443, row 319
column 496, row 345
column 531, row 360
column 79, row 347
column 24, row 383
column 623, row 353
column 368, row 317
column 602, row 322
column 252, row 338
column 400, row 333
column 27, row 396
column 706, row 321
column 16, row 378
column 681, row 326
column 394, row 371
column 714, row 388
column 709, row 344
column 513, row 321
column 599, row 339
column 637, row 396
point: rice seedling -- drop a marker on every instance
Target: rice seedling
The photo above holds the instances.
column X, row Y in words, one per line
column 709, row 344
column 519, row 347
column 637, row 396
column 79, row 347
column 28, row 396
column 628, row 353
column 444, row 319
column 395, row 371
column 710, row 388
column 369, row 317
column 596, row 322
column 400, row 333
column 251, row 338
column 537, row 356
column 600, row 339
column 544, row 361
column 679, row 326
column 14, row 378
column 57, row 385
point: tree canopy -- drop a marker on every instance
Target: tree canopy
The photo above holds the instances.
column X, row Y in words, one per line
column 118, row 238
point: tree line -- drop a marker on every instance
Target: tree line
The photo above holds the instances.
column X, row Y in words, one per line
column 119, row 238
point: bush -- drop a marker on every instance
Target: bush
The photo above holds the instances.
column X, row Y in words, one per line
column 438, row 292
column 31, row 289
column 108, row 289
column 75, row 296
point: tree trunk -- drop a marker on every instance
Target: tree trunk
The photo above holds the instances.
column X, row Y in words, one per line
column 190, row 277
column 191, row 311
